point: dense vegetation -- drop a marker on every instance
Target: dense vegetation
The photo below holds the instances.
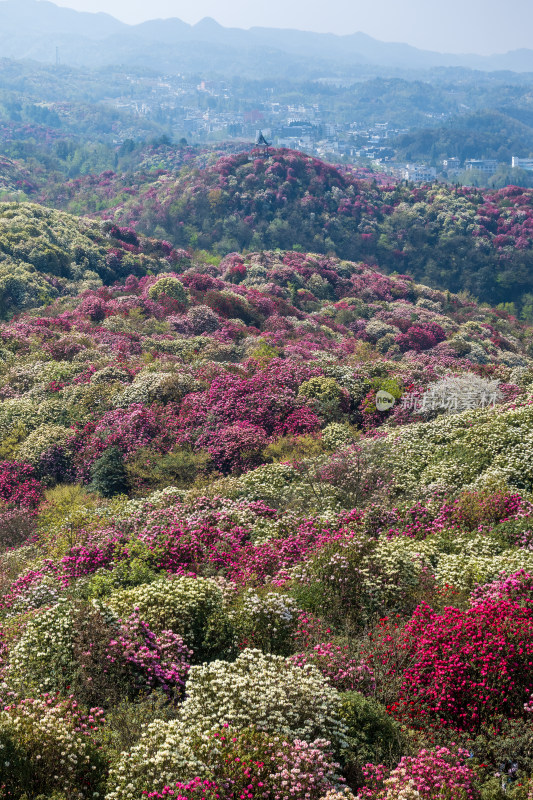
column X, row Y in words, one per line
column 227, row 571
column 459, row 239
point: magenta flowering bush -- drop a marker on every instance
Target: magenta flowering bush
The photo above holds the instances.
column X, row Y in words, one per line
column 19, row 486
column 468, row 667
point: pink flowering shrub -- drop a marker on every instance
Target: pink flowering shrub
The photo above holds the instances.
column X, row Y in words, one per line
column 248, row 764
column 161, row 661
column 334, row 663
column 236, row 417
column 431, row 774
column 196, row 789
column 19, row 487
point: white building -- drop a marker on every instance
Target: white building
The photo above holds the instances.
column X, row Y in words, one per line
column 523, row 163
column 486, row 165
column 419, row 172
column 451, row 165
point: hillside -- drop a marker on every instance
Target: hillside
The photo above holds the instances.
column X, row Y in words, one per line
column 225, row 564
column 450, row 238
column 47, row 254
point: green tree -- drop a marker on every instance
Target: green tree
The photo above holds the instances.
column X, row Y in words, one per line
column 108, row 473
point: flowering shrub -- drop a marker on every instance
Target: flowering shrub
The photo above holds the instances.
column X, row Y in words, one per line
column 459, row 659
column 191, row 607
column 247, row 762
column 334, row 662
column 100, row 658
column 19, row 487
column 265, row 691
column 48, row 745
column 225, row 759
column 236, row 447
column 292, row 514
column 428, row 775
column 267, row 622
column 420, row 337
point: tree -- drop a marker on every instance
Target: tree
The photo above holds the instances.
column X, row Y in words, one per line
column 108, row 473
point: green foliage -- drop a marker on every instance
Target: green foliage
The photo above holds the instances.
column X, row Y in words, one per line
column 292, row 448
column 109, row 475
column 181, row 468
column 167, row 286
column 373, row 736
column 327, row 395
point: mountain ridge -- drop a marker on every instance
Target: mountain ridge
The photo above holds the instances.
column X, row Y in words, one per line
column 28, row 28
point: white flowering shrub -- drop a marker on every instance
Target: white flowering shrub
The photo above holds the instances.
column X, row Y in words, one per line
column 163, row 756
column 109, row 374
column 27, row 414
column 357, row 580
column 46, row 746
column 454, row 394
column 150, row 386
column 143, row 389
column 376, row 328
column 42, row 659
column 337, row 436
column 191, row 607
column 459, row 450
column 41, row 440
column 271, row 483
column 267, row 621
column 266, row 691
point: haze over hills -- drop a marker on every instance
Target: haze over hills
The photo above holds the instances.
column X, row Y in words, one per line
column 34, row 28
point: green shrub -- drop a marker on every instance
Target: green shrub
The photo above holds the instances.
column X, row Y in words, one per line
column 167, row 286
column 372, row 735
column 328, row 397
column 109, row 475
column 181, row 467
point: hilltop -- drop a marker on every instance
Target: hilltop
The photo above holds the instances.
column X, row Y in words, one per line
column 454, row 238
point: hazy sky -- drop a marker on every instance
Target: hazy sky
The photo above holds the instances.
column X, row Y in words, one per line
column 481, row 26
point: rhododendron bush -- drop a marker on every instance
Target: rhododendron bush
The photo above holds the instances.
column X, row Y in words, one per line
column 266, row 526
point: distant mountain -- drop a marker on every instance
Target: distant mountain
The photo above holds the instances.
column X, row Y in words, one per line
column 34, row 28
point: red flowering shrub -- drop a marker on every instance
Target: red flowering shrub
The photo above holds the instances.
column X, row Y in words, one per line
column 237, row 447
column 469, row 666
column 420, row 337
